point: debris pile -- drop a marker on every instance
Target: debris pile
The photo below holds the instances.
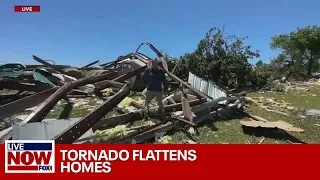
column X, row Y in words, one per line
column 270, row 104
column 286, row 86
column 112, row 98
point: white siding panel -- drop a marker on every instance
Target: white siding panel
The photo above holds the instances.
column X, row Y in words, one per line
column 207, row 87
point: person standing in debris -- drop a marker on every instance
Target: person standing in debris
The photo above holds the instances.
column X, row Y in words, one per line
column 155, row 80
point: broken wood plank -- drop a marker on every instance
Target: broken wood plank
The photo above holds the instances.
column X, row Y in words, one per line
column 187, row 113
column 133, row 116
column 166, row 99
column 277, row 124
column 258, row 118
column 174, row 69
column 249, row 99
column 278, row 112
column 211, row 104
column 198, row 93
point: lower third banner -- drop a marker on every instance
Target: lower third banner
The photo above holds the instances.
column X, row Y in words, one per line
column 44, row 159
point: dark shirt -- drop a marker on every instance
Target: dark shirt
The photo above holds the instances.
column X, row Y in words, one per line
column 154, row 78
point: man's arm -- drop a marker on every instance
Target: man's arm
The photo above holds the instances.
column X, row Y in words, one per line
column 165, row 82
column 145, row 76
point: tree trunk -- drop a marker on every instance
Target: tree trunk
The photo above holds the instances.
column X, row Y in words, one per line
column 310, row 65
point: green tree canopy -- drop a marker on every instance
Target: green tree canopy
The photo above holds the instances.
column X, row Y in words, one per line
column 221, row 58
column 300, row 49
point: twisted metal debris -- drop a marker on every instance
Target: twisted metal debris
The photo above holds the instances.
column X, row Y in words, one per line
column 50, row 83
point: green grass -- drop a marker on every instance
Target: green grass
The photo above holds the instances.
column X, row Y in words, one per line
column 307, row 99
column 230, row 131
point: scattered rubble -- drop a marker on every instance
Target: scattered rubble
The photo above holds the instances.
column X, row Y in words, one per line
column 286, row 86
column 271, row 105
column 113, row 96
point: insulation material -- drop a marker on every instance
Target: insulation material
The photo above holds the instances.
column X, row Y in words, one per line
column 126, row 102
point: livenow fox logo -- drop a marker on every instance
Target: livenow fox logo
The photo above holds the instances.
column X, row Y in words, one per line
column 29, row 156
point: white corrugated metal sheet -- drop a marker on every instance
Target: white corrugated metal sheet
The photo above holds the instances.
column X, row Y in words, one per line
column 45, row 130
column 207, row 87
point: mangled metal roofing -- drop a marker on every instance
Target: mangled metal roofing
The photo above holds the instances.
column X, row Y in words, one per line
column 61, row 82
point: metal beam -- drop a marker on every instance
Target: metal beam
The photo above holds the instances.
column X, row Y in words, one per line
column 133, row 116
column 27, row 102
column 51, row 66
column 147, row 133
column 90, row 64
column 49, row 103
column 105, row 84
column 76, row 130
column 46, row 106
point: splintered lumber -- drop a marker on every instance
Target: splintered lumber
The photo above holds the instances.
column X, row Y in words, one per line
column 256, row 118
column 211, row 104
column 187, row 113
column 198, row 93
column 48, row 104
column 27, row 102
column 277, row 124
column 278, row 112
column 51, row 66
column 133, row 116
column 248, row 99
column 105, row 84
column 174, row 69
column 170, row 99
column 75, row 131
